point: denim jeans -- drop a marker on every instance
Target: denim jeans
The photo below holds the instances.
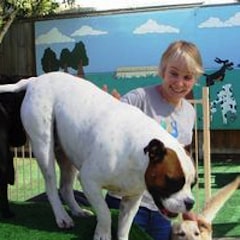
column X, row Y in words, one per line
column 152, row 222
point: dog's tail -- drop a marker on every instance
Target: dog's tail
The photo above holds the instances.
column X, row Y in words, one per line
column 217, row 201
column 16, row 87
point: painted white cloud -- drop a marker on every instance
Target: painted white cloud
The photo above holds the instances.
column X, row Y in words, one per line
column 87, row 30
column 234, row 20
column 53, row 36
column 152, row 26
column 214, row 22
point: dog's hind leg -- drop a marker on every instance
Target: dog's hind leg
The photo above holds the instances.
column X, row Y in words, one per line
column 37, row 120
column 67, row 177
column 45, row 156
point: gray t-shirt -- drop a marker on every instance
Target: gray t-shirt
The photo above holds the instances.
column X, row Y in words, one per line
column 178, row 121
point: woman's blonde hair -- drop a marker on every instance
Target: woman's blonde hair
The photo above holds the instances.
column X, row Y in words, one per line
column 185, row 52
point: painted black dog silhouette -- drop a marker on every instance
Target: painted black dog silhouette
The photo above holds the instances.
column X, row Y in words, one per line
column 220, row 74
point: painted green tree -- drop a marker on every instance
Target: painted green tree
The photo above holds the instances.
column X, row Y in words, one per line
column 76, row 59
column 49, row 61
column 79, row 58
column 65, row 58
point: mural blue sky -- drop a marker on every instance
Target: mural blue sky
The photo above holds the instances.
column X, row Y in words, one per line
column 138, row 39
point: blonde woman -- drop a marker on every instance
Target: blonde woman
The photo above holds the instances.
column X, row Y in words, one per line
column 179, row 68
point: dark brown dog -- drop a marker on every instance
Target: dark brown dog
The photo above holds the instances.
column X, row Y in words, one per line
column 11, row 135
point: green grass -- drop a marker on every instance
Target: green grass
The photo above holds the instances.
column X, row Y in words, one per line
column 227, row 221
column 35, row 220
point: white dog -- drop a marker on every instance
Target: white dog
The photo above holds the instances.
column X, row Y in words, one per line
column 113, row 145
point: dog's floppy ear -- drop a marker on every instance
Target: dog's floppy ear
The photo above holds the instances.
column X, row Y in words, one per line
column 156, row 150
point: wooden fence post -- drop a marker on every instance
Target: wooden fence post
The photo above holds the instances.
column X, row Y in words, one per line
column 206, row 142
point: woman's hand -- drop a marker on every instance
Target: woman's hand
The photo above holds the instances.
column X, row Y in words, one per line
column 114, row 92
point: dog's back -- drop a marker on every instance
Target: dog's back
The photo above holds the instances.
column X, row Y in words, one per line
column 72, row 108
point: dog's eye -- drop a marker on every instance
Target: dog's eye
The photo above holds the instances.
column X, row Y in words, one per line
column 202, row 225
column 196, row 234
column 181, row 234
column 174, row 184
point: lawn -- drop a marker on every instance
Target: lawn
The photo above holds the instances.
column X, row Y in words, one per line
column 34, row 219
column 227, row 221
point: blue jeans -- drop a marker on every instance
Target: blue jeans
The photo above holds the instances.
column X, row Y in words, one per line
column 152, row 222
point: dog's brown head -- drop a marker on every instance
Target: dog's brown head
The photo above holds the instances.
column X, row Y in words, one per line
column 198, row 229
column 186, row 230
column 169, row 177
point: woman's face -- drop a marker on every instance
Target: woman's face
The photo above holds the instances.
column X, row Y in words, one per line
column 178, row 81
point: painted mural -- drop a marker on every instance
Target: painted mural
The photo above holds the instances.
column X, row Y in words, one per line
column 123, row 50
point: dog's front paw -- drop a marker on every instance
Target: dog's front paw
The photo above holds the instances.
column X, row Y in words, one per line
column 102, row 236
column 65, row 222
column 102, row 233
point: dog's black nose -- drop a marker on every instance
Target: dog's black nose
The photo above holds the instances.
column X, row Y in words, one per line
column 189, row 203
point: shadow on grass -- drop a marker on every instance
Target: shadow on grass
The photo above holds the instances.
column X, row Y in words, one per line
column 222, row 172
column 219, row 180
column 37, row 218
column 222, row 229
column 222, row 179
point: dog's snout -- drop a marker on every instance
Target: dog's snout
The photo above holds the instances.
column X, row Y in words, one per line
column 189, row 203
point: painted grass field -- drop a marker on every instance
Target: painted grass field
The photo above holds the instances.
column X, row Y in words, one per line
column 34, row 220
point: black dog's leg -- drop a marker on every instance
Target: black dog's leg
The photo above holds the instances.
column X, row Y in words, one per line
column 4, row 204
column 6, row 177
column 12, row 134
